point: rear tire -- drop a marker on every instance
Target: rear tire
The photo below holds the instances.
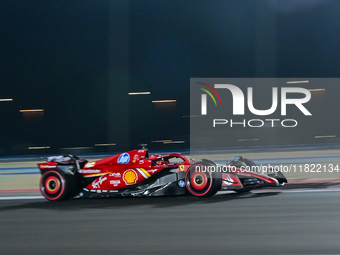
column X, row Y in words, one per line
column 200, row 181
column 56, row 185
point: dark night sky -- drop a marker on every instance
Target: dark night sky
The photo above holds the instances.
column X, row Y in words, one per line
column 54, row 55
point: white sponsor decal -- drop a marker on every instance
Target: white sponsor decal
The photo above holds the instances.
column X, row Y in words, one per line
column 115, row 174
column 89, row 171
column 142, row 173
column 152, row 170
column 115, row 182
column 47, row 166
column 90, row 164
column 228, row 181
column 96, row 184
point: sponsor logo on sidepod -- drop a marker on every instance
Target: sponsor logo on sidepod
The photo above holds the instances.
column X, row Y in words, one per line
column 124, row 158
column 181, row 183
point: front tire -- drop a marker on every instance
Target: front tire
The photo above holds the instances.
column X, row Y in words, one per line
column 201, row 181
column 55, row 185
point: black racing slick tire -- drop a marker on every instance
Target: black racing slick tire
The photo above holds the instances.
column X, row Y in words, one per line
column 203, row 179
column 56, row 185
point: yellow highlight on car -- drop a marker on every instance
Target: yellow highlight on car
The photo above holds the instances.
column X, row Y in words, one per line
column 145, row 172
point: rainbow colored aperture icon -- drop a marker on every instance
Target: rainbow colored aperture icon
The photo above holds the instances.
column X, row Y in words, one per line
column 204, row 97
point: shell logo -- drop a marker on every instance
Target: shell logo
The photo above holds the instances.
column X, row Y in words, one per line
column 130, row 177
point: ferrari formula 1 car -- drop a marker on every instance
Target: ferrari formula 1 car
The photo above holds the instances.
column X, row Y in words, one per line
column 135, row 173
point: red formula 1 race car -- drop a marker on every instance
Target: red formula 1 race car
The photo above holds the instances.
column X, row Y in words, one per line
column 135, row 173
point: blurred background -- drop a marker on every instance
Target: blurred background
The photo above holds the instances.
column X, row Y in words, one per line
column 72, row 71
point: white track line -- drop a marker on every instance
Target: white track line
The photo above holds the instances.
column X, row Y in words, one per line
column 254, row 192
column 22, row 198
column 258, row 191
column 303, row 191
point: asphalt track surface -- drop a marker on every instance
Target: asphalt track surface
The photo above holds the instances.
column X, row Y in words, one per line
column 265, row 222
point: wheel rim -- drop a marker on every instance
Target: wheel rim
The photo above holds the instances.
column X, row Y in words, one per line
column 52, row 185
column 198, row 180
